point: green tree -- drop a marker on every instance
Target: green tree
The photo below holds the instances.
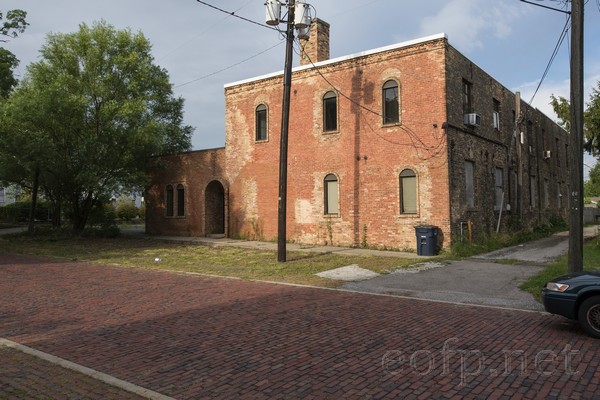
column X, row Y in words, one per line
column 13, row 25
column 591, row 119
column 88, row 116
column 591, row 188
column 8, row 62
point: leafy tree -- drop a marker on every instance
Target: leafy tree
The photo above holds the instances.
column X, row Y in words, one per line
column 591, row 118
column 8, row 62
column 13, row 25
column 591, row 188
column 88, row 116
column 592, row 122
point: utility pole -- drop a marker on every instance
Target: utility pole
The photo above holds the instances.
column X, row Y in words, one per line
column 575, row 258
column 283, row 146
column 301, row 20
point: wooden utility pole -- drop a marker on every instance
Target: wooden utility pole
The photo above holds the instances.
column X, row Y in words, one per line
column 283, row 146
column 575, row 262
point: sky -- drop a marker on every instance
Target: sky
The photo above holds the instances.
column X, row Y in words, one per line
column 203, row 49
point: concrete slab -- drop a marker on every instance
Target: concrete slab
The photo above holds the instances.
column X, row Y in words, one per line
column 466, row 281
column 348, row 273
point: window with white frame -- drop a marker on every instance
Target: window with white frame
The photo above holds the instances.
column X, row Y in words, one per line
column 496, row 114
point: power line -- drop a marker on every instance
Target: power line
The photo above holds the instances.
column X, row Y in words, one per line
column 563, row 34
column 547, row 7
column 432, row 150
column 228, row 67
column 233, row 13
column 201, row 32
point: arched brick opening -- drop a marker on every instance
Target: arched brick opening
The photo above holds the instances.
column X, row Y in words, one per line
column 214, row 211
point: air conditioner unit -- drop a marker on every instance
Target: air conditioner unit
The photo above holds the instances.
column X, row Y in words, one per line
column 547, row 154
column 472, row 119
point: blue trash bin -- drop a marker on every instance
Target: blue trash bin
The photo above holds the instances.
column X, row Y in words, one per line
column 426, row 240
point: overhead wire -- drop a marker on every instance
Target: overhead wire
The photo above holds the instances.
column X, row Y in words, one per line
column 233, row 13
column 415, row 141
column 202, row 32
column 228, row 67
column 561, row 38
column 230, row 14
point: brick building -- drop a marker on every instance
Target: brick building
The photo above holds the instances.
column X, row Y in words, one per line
column 379, row 142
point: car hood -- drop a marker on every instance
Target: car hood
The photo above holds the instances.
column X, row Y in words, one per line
column 579, row 276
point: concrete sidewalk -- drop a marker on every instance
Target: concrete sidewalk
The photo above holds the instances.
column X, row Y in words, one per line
column 272, row 246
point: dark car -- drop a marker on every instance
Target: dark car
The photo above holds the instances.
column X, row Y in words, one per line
column 576, row 296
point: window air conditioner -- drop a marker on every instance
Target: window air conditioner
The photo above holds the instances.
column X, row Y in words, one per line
column 547, row 154
column 472, row 119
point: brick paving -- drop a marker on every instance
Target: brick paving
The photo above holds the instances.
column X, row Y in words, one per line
column 194, row 337
column 25, row 377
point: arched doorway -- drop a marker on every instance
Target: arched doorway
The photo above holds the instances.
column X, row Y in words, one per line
column 214, row 209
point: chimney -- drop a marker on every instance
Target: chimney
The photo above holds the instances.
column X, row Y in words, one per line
column 316, row 48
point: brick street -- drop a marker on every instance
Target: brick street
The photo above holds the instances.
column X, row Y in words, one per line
column 196, row 337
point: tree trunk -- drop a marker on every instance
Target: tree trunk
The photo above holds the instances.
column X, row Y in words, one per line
column 36, row 182
column 81, row 212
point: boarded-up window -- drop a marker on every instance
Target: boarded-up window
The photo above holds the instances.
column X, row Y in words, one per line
column 331, row 194
column 470, row 186
column 408, row 192
column 499, row 189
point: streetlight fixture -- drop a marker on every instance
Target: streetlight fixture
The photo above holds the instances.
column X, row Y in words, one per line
column 298, row 17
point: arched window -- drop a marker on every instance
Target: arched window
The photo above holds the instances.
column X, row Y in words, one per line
column 180, row 200
column 391, row 106
column 408, row 192
column 330, row 112
column 261, row 122
column 331, row 194
column 169, row 201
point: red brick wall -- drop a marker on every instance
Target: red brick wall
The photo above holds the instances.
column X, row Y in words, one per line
column 366, row 156
column 194, row 170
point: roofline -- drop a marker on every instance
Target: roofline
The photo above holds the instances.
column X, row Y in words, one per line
column 343, row 58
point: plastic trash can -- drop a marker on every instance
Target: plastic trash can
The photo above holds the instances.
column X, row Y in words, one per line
column 426, row 240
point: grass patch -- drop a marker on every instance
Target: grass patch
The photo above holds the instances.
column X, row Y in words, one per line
column 125, row 251
column 591, row 257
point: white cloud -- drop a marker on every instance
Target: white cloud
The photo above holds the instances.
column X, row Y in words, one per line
column 467, row 22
